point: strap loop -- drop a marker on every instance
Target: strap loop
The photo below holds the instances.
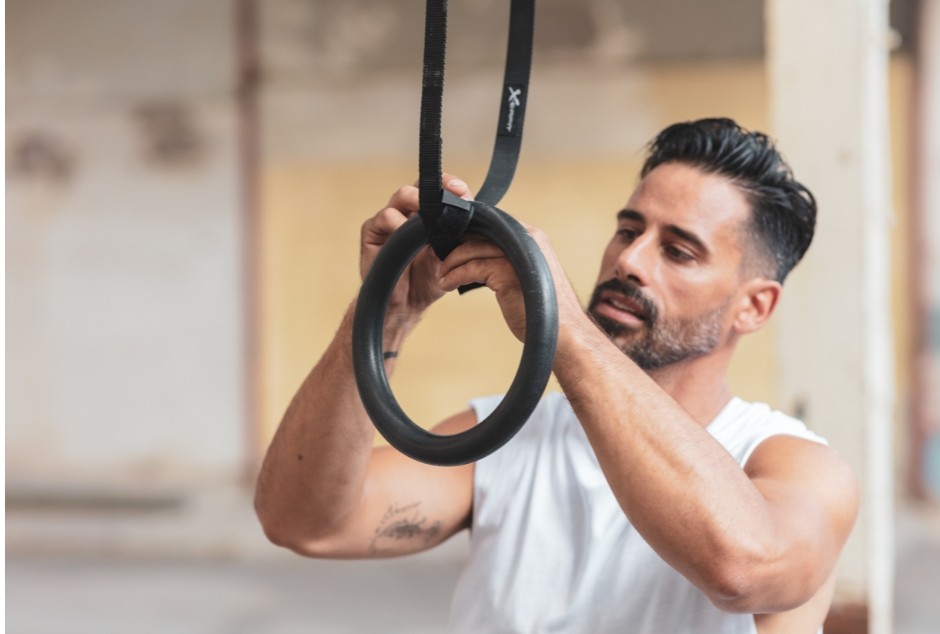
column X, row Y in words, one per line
column 444, row 235
column 513, row 102
column 441, row 215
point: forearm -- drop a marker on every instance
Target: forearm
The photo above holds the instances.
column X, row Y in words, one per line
column 681, row 490
column 313, row 475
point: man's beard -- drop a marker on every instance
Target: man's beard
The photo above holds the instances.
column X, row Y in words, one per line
column 664, row 341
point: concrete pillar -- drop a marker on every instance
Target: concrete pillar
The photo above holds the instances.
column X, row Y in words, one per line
column 927, row 407
column 827, row 64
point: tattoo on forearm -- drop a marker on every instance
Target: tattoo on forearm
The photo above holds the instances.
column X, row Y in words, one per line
column 402, row 523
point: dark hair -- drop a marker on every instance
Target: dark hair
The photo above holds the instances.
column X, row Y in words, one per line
column 784, row 210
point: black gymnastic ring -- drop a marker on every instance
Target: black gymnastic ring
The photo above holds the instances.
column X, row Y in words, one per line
column 535, row 365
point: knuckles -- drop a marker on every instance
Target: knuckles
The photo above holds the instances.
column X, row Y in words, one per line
column 403, row 202
column 405, row 191
column 405, row 197
column 384, row 222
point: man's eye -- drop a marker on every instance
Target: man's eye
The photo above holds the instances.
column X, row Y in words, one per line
column 677, row 254
column 627, row 234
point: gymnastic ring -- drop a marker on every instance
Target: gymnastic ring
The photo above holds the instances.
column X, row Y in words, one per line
column 535, row 365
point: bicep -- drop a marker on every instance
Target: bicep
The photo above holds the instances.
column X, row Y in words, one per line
column 409, row 506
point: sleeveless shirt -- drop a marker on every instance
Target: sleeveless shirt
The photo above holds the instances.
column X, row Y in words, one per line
column 552, row 551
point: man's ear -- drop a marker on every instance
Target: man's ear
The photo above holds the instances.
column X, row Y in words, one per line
column 758, row 299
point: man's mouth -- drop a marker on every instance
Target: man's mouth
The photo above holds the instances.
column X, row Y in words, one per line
column 622, row 309
column 620, row 305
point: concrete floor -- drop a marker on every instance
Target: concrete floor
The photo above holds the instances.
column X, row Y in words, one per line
column 205, row 569
column 81, row 595
column 91, row 564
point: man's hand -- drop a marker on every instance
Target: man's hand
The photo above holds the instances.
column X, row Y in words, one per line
column 418, row 286
column 478, row 260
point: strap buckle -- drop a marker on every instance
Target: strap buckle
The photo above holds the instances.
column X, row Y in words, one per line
column 447, row 228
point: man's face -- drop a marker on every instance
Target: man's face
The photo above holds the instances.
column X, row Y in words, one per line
column 669, row 276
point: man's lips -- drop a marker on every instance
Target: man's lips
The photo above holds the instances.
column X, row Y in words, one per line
column 622, row 308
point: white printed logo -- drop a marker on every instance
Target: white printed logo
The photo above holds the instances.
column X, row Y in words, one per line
column 514, row 102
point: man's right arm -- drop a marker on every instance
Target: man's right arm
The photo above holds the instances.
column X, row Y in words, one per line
column 323, row 489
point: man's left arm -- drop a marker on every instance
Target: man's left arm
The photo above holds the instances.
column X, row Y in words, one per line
column 759, row 540
column 763, row 539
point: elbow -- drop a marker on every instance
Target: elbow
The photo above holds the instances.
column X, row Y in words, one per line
column 280, row 533
column 280, row 529
column 275, row 532
column 275, row 529
column 286, row 530
column 757, row 582
column 731, row 588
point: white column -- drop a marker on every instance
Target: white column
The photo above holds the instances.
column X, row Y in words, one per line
column 928, row 227
column 827, row 64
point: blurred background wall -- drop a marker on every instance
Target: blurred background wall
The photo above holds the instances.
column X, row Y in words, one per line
column 125, row 319
column 186, row 181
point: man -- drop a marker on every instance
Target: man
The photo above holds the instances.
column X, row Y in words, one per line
column 645, row 498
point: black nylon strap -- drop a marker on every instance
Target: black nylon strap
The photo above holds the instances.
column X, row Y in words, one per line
column 430, row 187
column 514, row 97
column 444, row 220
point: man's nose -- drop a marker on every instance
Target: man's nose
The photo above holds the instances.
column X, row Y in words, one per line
column 636, row 261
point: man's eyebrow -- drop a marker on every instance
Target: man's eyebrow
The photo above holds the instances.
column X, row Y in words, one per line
column 679, row 232
column 688, row 236
column 630, row 214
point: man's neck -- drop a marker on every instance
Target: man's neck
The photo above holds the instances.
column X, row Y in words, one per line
column 699, row 386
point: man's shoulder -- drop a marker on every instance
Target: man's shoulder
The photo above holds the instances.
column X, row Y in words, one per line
column 754, row 413
column 742, row 426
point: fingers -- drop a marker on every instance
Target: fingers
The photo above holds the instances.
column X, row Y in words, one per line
column 456, row 186
column 481, row 262
column 406, row 199
column 402, row 204
column 495, row 274
column 377, row 229
column 476, row 261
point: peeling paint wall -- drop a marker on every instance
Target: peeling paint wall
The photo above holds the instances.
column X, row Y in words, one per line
column 124, row 314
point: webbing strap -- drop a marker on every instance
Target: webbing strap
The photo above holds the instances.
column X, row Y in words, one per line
column 445, row 223
column 430, row 187
column 514, row 96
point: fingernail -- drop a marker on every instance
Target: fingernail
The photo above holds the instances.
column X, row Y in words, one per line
column 456, row 183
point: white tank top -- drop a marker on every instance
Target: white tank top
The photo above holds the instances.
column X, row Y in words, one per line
column 551, row 550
